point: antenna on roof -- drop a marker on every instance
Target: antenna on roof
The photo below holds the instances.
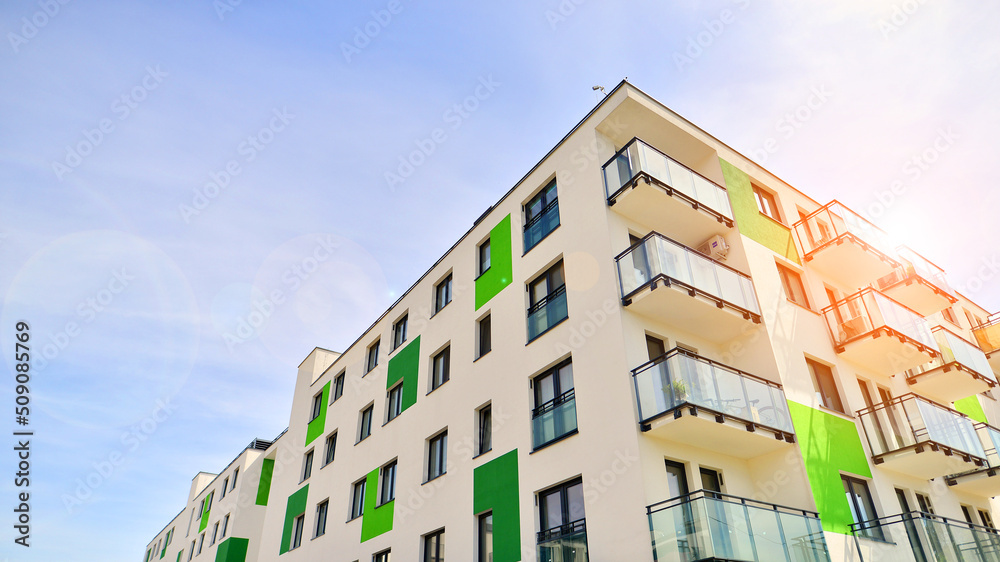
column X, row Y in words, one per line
column 601, row 89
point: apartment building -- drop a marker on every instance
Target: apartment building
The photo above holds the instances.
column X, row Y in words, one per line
column 650, row 348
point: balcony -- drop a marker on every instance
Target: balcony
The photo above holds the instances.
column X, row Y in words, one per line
column 918, row 284
column 844, row 247
column 547, row 312
column 712, row 526
column 649, row 187
column 876, row 332
column 554, row 419
column 922, row 537
column 988, row 338
column 915, row 436
column 670, row 282
column 983, row 481
column 962, row 370
column 567, row 543
column 728, row 411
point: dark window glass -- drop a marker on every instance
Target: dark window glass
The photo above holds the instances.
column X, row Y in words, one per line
column 825, row 386
column 485, row 429
column 485, row 337
column 434, row 547
column 321, row 512
column 387, row 491
column 486, row 537
column 441, row 368
column 358, row 500
column 791, row 281
column 484, row 257
column 372, row 361
column 766, row 203
column 437, row 456
column 541, row 216
column 338, row 387
column 307, row 465
column 317, row 406
column 399, row 332
column 442, row 294
column 862, row 506
column 560, row 509
column 331, row 449
column 365, row 428
column 395, row 402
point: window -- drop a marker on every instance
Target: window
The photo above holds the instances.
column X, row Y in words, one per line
column 395, row 399
column 399, row 332
column 372, row 360
column 225, row 484
column 554, row 415
column 541, row 216
column 486, row 537
column 441, row 368
column 208, row 501
column 300, row 523
column 381, row 556
column 485, row 430
column 862, row 506
column 201, row 542
column 387, row 490
column 949, row 315
column 434, row 547
column 235, row 474
column 442, row 294
column 546, row 301
column 215, row 533
column 321, row 512
column 365, row 424
column 484, row 257
column 338, row 387
column 984, row 516
column 225, row 525
column 766, row 203
column 307, row 465
column 825, row 386
column 331, row 448
column 791, row 281
column 437, row 455
column 560, row 511
column 191, row 552
column 358, row 499
column 317, row 406
column 485, row 337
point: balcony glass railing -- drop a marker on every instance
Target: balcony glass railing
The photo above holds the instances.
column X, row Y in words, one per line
column 988, row 334
column 554, row 419
column 541, row 225
column 909, row 420
column 955, row 349
column 657, row 256
column 638, row 157
column 681, row 377
column 915, row 264
column 547, row 313
column 835, row 220
column 868, row 310
column 567, row 543
column 711, row 526
column 931, row 538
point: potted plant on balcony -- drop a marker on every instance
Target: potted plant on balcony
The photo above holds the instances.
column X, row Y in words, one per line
column 679, row 391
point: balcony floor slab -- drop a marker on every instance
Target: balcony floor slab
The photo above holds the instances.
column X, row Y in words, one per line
column 728, row 436
column 696, row 313
column 656, row 206
column 851, row 262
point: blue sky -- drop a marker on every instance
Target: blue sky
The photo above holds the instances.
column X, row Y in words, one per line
column 162, row 167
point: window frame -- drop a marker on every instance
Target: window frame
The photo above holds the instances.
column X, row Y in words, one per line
column 382, row 556
column 563, row 491
column 225, row 525
column 483, row 549
column 365, row 422
column 330, row 450
column 399, row 328
column 307, row 464
column 874, row 531
column 439, row 378
column 338, row 386
column 447, row 284
column 236, row 473
column 818, row 388
column 787, row 276
column 437, row 455
column 548, row 196
column 358, row 492
column 484, row 431
column 486, row 320
column 766, row 198
column 394, row 402
column 483, row 263
column 317, row 406
column 215, row 534
column 371, row 357
column 322, row 514
column 387, row 483
column 438, row 554
column 298, row 529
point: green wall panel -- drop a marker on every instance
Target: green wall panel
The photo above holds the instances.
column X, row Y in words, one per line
column 375, row 520
column 264, row 486
column 208, row 511
column 501, row 270
column 749, row 219
column 296, row 506
column 166, row 543
column 316, row 426
column 971, row 407
column 232, row 549
column 495, row 487
column 829, row 445
column 179, row 553
column 404, row 365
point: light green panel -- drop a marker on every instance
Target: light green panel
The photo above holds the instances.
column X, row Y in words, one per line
column 166, row 543
column 749, row 219
column 375, row 520
column 971, row 407
column 501, row 270
column 232, row 549
column 316, row 426
column 404, row 365
column 179, row 553
column 829, row 445
column 208, row 511
column 296, row 506
column 264, row 486
column 495, row 487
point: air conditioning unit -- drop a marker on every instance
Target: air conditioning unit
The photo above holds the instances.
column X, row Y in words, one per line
column 715, row 248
